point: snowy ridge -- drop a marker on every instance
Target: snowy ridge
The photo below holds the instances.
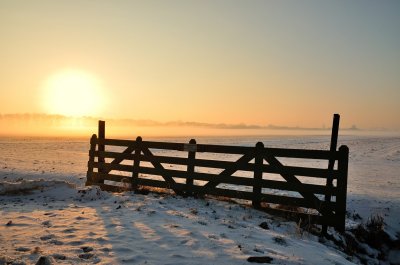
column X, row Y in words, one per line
column 56, row 190
column 24, row 186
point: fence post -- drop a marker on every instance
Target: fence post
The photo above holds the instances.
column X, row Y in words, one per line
column 331, row 164
column 190, row 167
column 89, row 175
column 257, row 184
column 343, row 165
column 136, row 162
column 101, row 146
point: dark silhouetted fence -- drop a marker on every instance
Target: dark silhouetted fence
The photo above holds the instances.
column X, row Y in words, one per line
column 187, row 174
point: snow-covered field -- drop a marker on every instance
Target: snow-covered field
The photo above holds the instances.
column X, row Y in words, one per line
column 45, row 211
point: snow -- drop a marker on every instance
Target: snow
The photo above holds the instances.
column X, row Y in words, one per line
column 132, row 228
column 45, row 211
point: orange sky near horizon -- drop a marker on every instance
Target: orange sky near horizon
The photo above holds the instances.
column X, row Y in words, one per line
column 286, row 63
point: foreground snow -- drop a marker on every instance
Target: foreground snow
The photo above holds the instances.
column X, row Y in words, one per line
column 90, row 226
column 45, row 211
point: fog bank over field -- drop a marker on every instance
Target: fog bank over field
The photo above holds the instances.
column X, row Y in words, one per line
column 59, row 125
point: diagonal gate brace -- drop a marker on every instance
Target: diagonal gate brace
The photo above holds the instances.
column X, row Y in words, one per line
column 162, row 170
column 116, row 161
column 309, row 197
column 229, row 171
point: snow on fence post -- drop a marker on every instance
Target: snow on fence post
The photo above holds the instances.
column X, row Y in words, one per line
column 342, row 186
column 257, row 184
column 101, row 147
column 136, row 162
column 89, row 177
column 191, row 148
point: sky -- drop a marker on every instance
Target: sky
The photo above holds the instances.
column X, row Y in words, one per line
column 285, row 63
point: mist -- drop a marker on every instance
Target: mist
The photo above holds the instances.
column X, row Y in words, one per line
column 47, row 125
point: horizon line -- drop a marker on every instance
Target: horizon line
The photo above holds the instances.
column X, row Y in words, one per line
column 43, row 117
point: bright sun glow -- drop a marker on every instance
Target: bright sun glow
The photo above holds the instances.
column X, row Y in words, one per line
column 73, row 93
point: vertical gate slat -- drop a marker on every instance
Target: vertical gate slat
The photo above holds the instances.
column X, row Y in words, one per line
column 342, row 187
column 136, row 162
column 101, row 147
column 190, row 166
column 89, row 177
column 258, row 172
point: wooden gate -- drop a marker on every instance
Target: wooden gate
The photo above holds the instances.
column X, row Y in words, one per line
column 246, row 177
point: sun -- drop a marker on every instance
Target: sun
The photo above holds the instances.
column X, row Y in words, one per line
column 73, row 93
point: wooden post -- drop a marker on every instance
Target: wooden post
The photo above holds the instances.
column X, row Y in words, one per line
column 334, row 137
column 257, row 186
column 101, row 146
column 331, row 165
column 190, row 167
column 343, row 163
column 136, row 162
column 89, row 177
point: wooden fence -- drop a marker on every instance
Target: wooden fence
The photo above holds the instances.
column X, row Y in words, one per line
column 142, row 163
